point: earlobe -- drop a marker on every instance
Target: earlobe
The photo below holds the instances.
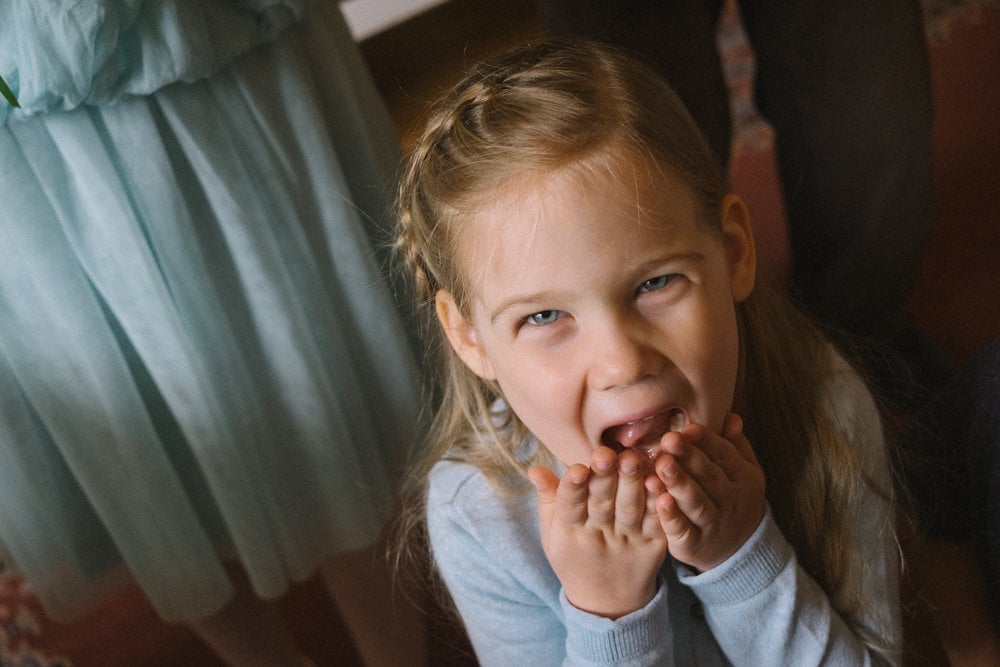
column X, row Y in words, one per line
column 742, row 254
column 462, row 336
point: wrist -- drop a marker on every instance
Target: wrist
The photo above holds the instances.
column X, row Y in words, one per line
column 612, row 604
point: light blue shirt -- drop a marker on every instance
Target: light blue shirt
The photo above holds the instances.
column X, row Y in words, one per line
column 757, row 608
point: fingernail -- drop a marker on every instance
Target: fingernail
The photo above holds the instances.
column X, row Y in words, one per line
column 734, row 424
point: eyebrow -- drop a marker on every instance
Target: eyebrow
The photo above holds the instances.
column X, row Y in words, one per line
column 535, row 297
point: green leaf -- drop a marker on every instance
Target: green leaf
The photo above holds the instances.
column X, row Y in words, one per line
column 8, row 93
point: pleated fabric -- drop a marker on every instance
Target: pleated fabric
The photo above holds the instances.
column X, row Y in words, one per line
column 200, row 357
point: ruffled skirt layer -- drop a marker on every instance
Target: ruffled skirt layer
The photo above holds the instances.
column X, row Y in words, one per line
column 199, row 357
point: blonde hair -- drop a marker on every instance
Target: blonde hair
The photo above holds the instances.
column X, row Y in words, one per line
column 560, row 103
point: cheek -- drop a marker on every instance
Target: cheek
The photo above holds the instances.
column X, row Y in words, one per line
column 547, row 404
column 717, row 362
column 725, row 370
column 532, row 395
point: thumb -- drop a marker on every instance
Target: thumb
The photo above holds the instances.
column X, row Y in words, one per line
column 732, row 431
column 546, row 483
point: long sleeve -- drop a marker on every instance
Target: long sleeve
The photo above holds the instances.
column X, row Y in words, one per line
column 796, row 624
column 510, row 601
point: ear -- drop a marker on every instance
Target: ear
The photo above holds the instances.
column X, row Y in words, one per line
column 462, row 336
column 738, row 238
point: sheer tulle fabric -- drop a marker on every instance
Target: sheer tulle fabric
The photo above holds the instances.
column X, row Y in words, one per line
column 199, row 358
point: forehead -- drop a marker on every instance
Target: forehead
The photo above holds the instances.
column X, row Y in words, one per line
column 593, row 205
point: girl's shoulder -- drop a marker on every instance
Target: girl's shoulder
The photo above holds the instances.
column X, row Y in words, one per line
column 462, row 489
column 453, row 481
column 471, row 520
column 470, row 475
column 845, row 392
column 854, row 411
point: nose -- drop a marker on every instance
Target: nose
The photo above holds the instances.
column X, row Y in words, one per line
column 621, row 354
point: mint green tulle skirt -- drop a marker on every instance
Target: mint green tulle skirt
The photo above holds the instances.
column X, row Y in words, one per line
column 201, row 361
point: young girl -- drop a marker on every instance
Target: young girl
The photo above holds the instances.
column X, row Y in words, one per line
column 595, row 286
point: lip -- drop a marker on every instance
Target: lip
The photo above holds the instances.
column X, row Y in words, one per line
column 640, row 415
column 648, row 450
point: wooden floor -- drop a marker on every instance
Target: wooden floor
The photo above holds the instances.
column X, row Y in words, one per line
column 957, row 299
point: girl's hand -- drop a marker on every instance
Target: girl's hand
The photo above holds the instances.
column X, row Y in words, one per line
column 714, row 496
column 600, row 532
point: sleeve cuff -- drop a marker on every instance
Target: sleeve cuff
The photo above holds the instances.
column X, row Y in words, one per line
column 632, row 639
column 747, row 572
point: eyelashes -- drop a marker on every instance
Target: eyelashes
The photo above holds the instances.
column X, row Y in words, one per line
column 657, row 283
column 545, row 317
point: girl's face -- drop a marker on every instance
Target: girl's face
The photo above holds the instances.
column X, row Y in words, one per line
column 604, row 307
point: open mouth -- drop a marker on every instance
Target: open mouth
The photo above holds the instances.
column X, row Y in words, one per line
column 644, row 434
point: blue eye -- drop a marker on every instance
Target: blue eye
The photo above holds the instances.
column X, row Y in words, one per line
column 654, row 284
column 543, row 317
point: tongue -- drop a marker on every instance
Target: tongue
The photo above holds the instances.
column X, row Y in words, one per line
column 642, row 433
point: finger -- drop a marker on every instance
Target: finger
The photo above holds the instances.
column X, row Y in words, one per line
column 546, row 483
column 732, row 430
column 731, row 452
column 630, row 499
column 720, row 451
column 687, row 492
column 654, row 489
column 571, row 495
column 693, row 450
column 674, row 523
column 602, row 487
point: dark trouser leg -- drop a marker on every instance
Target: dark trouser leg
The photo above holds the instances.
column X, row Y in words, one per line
column 846, row 86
